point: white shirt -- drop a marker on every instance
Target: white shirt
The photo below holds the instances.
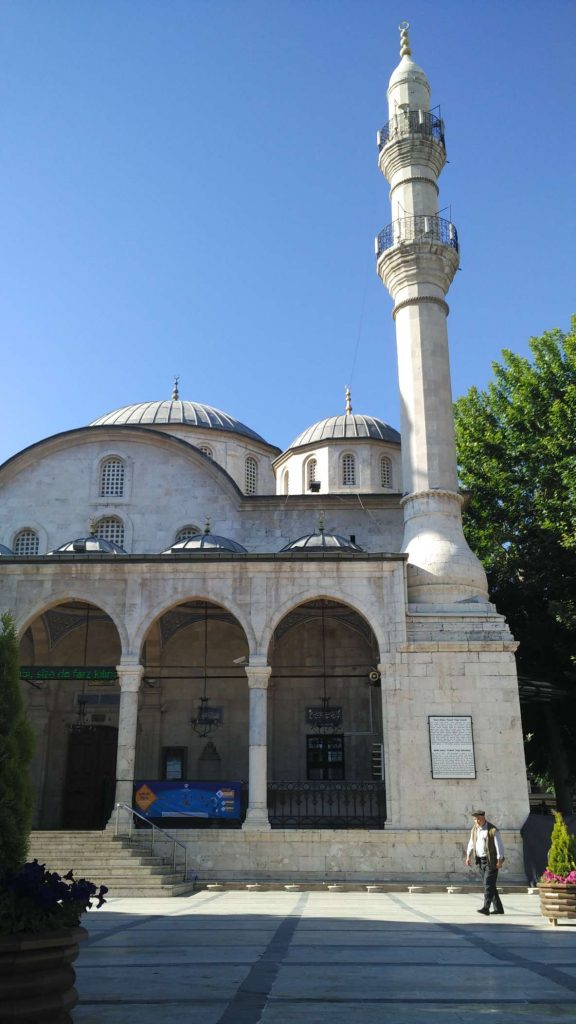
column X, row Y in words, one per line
column 482, row 841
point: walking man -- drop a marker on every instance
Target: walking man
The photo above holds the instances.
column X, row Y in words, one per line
column 487, row 848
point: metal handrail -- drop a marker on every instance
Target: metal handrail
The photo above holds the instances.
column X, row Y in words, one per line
column 154, row 828
column 412, row 122
column 421, row 228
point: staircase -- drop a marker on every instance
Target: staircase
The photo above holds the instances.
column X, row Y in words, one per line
column 127, row 868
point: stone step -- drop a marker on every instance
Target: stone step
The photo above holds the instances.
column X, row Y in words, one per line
column 145, row 892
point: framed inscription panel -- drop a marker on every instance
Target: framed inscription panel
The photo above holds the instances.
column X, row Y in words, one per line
column 452, row 747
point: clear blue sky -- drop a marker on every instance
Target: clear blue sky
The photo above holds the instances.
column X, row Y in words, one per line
column 190, row 187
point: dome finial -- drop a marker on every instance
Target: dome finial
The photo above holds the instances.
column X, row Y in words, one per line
column 405, row 50
column 93, row 526
column 175, row 393
column 348, row 401
column 207, row 525
column 321, row 522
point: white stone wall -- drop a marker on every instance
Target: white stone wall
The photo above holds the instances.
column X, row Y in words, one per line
column 328, row 455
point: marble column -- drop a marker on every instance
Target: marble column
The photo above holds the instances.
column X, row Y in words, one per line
column 129, row 677
column 257, row 814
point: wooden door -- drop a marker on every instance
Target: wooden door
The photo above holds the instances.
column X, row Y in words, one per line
column 90, row 778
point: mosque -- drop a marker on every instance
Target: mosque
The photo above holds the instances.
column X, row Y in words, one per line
column 303, row 635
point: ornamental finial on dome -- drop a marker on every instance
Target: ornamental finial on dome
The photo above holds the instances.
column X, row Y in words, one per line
column 321, row 523
column 93, row 526
column 348, row 401
column 175, row 392
column 405, row 50
column 207, row 525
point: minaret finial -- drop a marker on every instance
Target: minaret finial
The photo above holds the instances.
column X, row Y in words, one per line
column 175, row 393
column 348, row 401
column 405, row 50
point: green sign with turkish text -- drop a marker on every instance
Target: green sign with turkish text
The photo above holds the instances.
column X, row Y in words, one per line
column 86, row 673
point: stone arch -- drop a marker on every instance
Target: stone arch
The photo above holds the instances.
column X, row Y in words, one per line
column 279, row 612
column 24, row 621
column 155, row 612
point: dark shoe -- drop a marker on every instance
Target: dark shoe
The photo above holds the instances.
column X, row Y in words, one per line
column 501, row 911
column 483, row 910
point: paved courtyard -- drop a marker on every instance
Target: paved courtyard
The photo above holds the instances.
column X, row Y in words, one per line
column 315, row 957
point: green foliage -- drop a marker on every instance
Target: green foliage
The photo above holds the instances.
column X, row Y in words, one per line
column 516, row 445
column 16, row 750
column 562, row 853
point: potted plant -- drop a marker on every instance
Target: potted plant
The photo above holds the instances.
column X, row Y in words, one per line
column 40, row 911
column 558, row 883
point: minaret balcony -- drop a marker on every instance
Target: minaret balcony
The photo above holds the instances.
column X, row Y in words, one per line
column 417, row 229
column 420, row 123
column 411, row 137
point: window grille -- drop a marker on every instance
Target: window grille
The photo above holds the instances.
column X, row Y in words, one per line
column 112, row 478
column 186, row 532
column 251, row 475
column 348, row 471
column 385, row 472
column 111, row 528
column 26, row 543
column 311, row 471
column 206, row 450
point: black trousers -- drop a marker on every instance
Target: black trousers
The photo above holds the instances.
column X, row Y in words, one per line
column 489, row 878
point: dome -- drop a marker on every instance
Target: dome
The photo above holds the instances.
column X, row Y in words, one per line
column 349, row 427
column 321, row 540
column 5, row 551
column 175, row 413
column 204, row 542
column 90, row 546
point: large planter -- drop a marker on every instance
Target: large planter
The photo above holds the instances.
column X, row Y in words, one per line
column 557, row 900
column 37, row 977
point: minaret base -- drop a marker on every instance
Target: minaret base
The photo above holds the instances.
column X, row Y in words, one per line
column 441, row 567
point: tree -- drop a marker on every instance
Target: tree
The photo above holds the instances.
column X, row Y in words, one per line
column 16, row 750
column 516, row 446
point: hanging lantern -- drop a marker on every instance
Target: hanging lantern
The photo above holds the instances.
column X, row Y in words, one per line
column 81, row 723
column 207, row 718
column 324, row 718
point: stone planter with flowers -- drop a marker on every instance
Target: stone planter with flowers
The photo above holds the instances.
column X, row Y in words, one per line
column 557, row 887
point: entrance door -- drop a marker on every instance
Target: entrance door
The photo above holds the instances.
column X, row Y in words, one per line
column 90, row 778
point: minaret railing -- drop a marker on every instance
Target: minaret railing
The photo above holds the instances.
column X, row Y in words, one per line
column 412, row 123
column 417, row 229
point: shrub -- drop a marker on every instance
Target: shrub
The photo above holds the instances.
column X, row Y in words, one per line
column 33, row 899
column 16, row 750
column 561, row 866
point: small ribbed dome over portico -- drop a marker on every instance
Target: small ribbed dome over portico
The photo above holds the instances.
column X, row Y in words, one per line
column 204, row 542
column 5, row 551
column 92, row 545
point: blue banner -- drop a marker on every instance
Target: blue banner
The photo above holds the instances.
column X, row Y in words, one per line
column 178, row 799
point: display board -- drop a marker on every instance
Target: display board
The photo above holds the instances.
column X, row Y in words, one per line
column 452, row 747
column 176, row 798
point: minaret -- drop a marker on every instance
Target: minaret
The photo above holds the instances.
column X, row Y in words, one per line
column 417, row 257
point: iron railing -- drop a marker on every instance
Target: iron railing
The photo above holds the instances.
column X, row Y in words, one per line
column 327, row 804
column 417, row 229
column 412, row 122
column 130, row 815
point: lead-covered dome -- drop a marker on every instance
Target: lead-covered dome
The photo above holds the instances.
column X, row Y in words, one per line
column 350, row 426
column 175, row 412
column 204, row 542
column 92, row 545
column 322, row 541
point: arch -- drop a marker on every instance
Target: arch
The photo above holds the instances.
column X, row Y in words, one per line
column 77, row 595
column 291, row 604
column 155, row 613
column 111, row 477
column 311, row 471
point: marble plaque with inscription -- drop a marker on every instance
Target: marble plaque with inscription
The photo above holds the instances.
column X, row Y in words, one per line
column 452, row 747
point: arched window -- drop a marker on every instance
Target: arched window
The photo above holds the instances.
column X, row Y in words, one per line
column 286, row 482
column 385, row 472
column 111, row 528
column 250, row 475
column 112, row 478
column 348, row 470
column 206, row 450
column 186, row 532
column 26, row 543
column 311, row 467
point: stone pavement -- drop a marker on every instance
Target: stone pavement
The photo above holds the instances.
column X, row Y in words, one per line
column 324, row 958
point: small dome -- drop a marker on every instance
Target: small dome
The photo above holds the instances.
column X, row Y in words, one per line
column 204, row 542
column 175, row 413
column 4, row 550
column 90, row 546
column 349, row 427
column 321, row 540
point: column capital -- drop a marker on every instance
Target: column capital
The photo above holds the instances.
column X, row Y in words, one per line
column 130, row 676
column 258, row 676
